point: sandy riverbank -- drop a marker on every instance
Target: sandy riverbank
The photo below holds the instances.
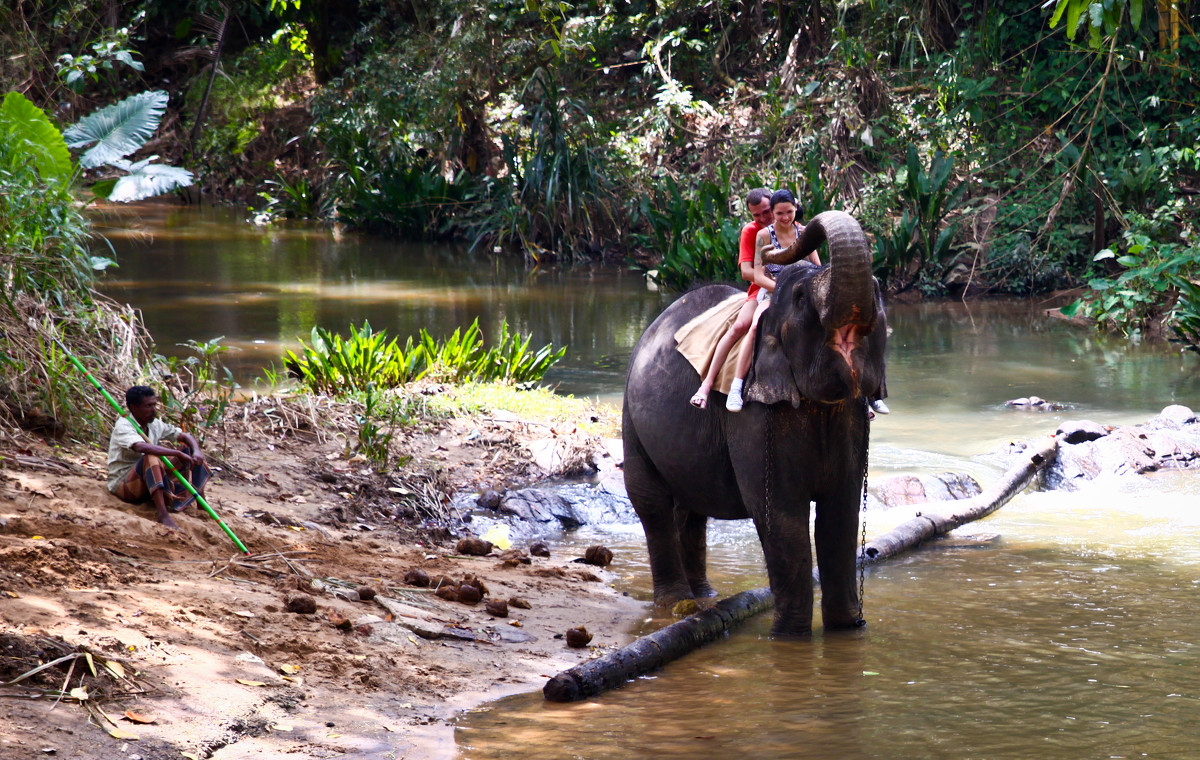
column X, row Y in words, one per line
column 204, row 645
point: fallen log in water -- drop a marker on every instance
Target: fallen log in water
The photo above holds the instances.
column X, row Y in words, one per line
column 656, row 649
column 930, row 523
column 666, row 644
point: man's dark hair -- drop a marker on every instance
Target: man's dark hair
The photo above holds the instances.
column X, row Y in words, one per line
column 137, row 394
column 757, row 196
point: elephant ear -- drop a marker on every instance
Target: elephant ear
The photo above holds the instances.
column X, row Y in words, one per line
column 771, row 380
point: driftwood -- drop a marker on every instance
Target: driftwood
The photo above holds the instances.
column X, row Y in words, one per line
column 656, row 649
column 672, row 642
column 928, row 524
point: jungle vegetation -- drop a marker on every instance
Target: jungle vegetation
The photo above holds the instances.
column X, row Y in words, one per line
column 987, row 146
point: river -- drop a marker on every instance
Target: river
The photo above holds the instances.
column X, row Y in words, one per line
column 1063, row 626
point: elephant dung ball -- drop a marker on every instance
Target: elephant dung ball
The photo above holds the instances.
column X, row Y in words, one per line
column 473, row 547
column 600, row 556
column 578, row 638
column 477, row 582
column 447, row 592
column 301, row 604
column 416, row 577
column 539, row 549
column 496, row 608
column 438, row 581
column 685, row 607
column 519, row 603
column 468, row 594
column 366, row 593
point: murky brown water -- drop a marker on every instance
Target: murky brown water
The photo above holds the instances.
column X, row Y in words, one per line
column 1072, row 635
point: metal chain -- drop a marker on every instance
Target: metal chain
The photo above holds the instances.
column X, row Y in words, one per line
column 769, row 446
column 862, row 516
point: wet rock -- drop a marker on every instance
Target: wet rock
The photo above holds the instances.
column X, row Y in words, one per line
column 489, row 499
column 301, row 604
column 519, row 603
column 539, row 549
column 600, row 556
column 541, row 506
column 1174, row 418
column 366, row 593
column 578, row 638
column 496, row 608
column 474, row 547
column 1036, row 404
column 906, row 490
column 1080, row 431
column 417, row 577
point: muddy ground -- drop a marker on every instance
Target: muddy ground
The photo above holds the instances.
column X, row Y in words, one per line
column 175, row 638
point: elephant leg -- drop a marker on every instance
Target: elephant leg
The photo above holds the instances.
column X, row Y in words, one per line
column 693, row 540
column 787, row 549
column 837, row 551
column 655, row 507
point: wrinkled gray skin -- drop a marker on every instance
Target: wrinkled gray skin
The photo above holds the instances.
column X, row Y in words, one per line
column 801, row 438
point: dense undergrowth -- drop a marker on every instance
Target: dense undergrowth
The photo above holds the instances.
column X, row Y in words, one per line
column 987, row 147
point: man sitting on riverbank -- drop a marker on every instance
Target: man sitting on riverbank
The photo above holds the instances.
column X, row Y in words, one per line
column 136, row 472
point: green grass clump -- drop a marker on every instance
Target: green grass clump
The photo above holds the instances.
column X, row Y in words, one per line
column 339, row 366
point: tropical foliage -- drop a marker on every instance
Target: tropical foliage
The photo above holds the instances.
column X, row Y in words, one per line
column 367, row 360
column 1010, row 140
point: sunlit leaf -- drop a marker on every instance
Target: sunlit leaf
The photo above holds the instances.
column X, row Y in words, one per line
column 118, row 130
column 139, row 718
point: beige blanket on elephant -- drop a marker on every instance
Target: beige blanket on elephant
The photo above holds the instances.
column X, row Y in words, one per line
column 697, row 340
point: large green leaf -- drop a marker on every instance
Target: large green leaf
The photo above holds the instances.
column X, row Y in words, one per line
column 21, row 122
column 117, row 130
column 146, row 180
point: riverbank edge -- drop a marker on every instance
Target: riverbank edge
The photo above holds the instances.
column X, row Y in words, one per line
column 64, row 540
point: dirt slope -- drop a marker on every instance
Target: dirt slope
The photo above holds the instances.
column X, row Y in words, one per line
column 203, row 642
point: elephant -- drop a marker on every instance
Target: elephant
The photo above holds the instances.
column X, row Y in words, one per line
column 802, row 436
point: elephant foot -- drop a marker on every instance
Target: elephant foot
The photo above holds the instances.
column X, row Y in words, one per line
column 669, row 596
column 794, row 628
column 703, row 590
column 853, row 624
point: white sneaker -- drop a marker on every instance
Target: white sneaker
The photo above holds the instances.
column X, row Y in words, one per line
column 880, row 407
column 734, row 402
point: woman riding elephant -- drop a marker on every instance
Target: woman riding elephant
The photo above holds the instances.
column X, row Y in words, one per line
column 801, row 438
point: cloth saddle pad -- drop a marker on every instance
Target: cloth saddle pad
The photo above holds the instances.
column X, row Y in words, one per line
column 697, row 340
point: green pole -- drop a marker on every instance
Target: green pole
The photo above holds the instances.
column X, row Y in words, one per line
column 170, row 467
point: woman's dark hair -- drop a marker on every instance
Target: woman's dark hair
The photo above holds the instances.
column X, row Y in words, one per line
column 783, row 196
column 137, row 394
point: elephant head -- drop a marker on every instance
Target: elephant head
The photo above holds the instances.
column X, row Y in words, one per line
column 824, row 336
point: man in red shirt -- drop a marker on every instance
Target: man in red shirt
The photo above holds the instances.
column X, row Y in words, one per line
column 758, row 203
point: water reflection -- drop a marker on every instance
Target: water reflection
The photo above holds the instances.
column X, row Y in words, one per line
column 197, row 274
column 1071, row 637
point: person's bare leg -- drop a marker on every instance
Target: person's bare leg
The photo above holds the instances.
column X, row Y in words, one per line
column 734, row 402
column 735, row 331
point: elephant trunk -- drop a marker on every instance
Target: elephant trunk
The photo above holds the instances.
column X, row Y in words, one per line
column 844, row 294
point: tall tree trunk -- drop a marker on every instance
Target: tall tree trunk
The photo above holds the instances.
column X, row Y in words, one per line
column 198, row 127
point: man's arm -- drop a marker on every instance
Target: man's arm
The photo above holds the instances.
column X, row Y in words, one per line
column 142, row 447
